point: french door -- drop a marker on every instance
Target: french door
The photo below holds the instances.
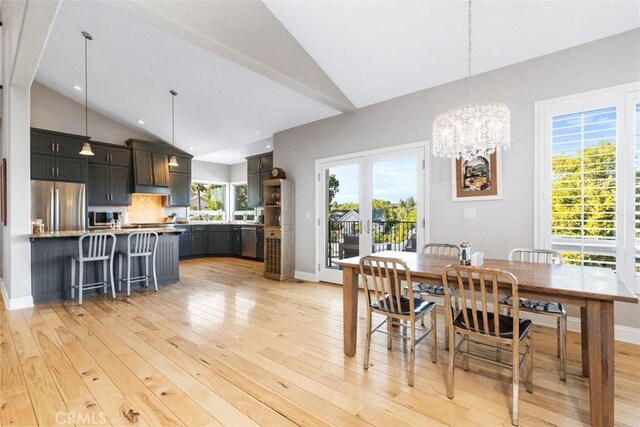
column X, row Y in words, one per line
column 369, row 202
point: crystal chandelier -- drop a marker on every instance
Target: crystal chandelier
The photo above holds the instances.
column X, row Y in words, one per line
column 473, row 129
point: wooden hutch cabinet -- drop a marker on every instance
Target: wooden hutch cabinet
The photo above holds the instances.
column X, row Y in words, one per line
column 278, row 229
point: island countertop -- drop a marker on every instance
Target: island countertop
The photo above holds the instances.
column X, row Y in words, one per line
column 79, row 233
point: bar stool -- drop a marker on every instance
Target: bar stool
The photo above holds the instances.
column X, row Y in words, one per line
column 140, row 244
column 100, row 247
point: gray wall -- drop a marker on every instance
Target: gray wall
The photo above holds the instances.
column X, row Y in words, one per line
column 54, row 111
column 238, row 172
column 206, row 171
column 499, row 225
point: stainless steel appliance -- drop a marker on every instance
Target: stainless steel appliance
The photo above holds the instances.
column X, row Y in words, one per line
column 249, row 240
column 60, row 205
column 103, row 218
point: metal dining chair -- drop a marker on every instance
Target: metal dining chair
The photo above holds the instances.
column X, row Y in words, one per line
column 546, row 308
column 93, row 247
column 140, row 245
column 476, row 289
column 389, row 297
column 433, row 291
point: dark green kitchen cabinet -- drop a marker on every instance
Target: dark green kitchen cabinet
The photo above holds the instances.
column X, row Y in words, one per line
column 109, row 182
column 185, row 245
column 199, row 243
column 98, row 185
column 236, row 241
column 258, row 170
column 179, row 189
column 53, row 168
column 160, row 169
column 110, row 155
column 56, row 143
column 220, row 242
column 55, row 157
column 143, row 164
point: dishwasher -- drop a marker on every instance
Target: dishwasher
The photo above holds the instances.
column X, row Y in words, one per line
column 249, row 242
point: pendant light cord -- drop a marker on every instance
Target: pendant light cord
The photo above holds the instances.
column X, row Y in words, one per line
column 173, row 122
column 86, row 91
column 469, row 58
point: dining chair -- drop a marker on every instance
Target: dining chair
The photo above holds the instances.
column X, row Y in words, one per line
column 476, row 290
column 389, row 297
column 434, row 290
column 93, row 247
column 546, row 308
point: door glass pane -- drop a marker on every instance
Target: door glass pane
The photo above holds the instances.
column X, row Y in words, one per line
column 637, row 195
column 343, row 210
column 393, row 204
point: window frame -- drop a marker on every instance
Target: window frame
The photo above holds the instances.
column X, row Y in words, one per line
column 232, row 196
column 623, row 97
column 227, row 185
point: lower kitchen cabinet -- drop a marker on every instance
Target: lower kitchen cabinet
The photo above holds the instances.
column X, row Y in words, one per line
column 199, row 243
column 220, row 242
column 215, row 240
column 236, row 241
column 185, row 244
column 260, row 244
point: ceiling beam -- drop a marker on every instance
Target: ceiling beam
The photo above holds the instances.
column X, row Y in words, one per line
column 245, row 33
column 27, row 27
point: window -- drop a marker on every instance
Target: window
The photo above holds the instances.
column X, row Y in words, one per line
column 208, row 201
column 589, row 203
column 240, row 198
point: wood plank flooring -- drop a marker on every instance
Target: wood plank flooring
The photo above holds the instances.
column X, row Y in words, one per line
column 227, row 347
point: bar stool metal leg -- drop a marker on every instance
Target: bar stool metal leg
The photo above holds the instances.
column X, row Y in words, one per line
column 73, row 278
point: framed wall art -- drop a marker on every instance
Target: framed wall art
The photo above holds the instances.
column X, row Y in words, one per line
column 477, row 179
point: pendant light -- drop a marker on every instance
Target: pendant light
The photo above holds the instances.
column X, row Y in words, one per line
column 86, row 147
column 473, row 129
column 173, row 161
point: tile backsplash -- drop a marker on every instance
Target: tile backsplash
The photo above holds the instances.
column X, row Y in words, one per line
column 146, row 208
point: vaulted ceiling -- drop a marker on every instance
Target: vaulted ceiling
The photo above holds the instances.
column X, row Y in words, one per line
column 247, row 69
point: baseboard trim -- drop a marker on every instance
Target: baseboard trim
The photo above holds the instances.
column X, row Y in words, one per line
column 15, row 303
column 303, row 275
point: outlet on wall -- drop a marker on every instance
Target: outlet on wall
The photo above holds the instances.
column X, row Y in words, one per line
column 469, row 213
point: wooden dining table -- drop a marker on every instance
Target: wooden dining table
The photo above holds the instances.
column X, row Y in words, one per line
column 593, row 289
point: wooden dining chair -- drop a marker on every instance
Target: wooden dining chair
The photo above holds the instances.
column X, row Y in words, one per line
column 389, row 297
column 476, row 290
column 545, row 308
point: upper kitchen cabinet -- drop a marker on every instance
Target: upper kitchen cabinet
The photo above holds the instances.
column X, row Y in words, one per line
column 152, row 173
column 108, row 154
column 109, row 182
column 160, row 169
column 55, row 156
column 180, row 183
column 56, row 143
column 258, row 169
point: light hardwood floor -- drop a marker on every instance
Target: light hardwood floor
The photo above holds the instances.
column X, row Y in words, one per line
column 227, row 347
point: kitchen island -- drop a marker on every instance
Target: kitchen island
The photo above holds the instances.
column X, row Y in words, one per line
column 51, row 254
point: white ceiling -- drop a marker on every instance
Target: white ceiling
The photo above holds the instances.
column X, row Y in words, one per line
column 132, row 66
column 372, row 50
column 378, row 50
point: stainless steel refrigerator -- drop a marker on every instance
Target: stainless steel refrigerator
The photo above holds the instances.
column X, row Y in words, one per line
column 60, row 205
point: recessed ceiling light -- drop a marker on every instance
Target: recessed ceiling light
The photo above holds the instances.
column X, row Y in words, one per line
column 77, row 87
column 268, row 146
column 141, row 121
column 191, row 148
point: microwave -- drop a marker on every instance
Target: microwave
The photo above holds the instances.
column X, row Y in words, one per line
column 103, row 218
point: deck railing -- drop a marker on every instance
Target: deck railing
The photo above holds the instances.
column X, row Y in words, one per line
column 344, row 238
